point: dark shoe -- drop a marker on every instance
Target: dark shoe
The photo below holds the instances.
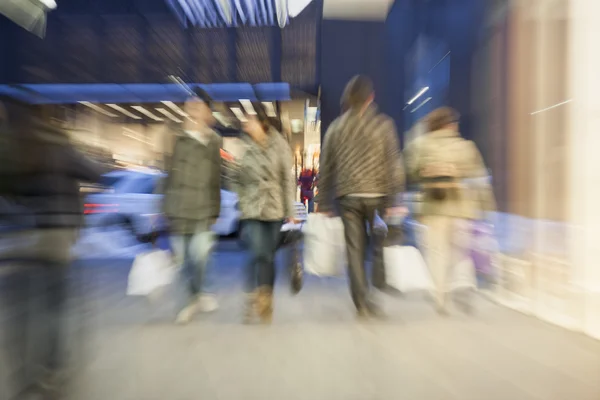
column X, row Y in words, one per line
column 51, row 386
column 389, row 290
column 442, row 310
column 264, row 304
column 375, row 311
column 362, row 313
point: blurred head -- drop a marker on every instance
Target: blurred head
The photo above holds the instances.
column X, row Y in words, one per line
column 359, row 94
column 443, row 118
column 258, row 125
column 199, row 107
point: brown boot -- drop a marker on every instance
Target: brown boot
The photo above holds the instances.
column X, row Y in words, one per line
column 250, row 307
column 264, row 304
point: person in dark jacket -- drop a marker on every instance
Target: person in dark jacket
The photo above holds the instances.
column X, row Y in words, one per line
column 362, row 173
column 40, row 171
column 192, row 201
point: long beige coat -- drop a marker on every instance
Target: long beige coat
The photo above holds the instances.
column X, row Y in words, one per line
column 448, row 146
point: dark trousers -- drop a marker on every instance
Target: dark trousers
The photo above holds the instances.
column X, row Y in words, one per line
column 261, row 238
column 357, row 213
column 32, row 322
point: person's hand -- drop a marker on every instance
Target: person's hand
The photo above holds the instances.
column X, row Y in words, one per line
column 212, row 221
column 400, row 211
column 292, row 220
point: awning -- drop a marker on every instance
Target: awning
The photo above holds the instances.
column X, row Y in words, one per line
column 141, row 93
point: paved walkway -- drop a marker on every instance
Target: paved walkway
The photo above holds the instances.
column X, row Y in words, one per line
column 317, row 350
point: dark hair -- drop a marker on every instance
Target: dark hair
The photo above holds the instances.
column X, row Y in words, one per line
column 357, row 92
column 261, row 114
column 440, row 118
column 201, row 94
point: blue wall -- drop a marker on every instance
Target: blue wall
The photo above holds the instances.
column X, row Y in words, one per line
column 349, row 48
column 379, row 50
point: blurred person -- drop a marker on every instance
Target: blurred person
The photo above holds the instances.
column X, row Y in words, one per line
column 361, row 170
column 192, row 201
column 441, row 162
column 265, row 186
column 41, row 212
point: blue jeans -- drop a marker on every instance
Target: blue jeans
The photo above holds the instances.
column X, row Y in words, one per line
column 261, row 238
column 192, row 252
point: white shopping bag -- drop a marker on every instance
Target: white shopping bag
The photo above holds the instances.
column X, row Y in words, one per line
column 463, row 275
column 324, row 246
column 150, row 271
column 406, row 270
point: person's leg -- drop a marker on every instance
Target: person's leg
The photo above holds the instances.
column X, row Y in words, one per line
column 186, row 300
column 271, row 232
column 201, row 249
column 258, row 279
column 55, row 281
column 249, row 237
column 379, row 232
column 438, row 255
column 354, row 219
column 15, row 341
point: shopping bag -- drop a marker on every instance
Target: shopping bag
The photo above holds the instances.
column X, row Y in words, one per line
column 324, row 246
column 484, row 249
column 462, row 276
column 290, row 239
column 150, row 271
column 406, row 270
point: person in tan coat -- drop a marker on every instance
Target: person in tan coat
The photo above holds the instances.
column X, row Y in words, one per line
column 447, row 169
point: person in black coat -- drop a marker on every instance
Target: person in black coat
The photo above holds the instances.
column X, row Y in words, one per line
column 41, row 211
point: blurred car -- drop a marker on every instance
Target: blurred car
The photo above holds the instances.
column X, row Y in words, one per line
column 133, row 199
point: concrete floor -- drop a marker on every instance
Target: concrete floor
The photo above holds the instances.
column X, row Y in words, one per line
column 128, row 349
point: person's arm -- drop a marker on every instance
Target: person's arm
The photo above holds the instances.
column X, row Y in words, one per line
column 216, row 179
column 84, row 169
column 395, row 165
column 289, row 181
column 172, row 177
column 327, row 171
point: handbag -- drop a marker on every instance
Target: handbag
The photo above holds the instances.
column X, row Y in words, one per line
column 290, row 239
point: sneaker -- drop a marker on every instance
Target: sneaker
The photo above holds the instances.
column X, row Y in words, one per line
column 207, row 303
column 186, row 315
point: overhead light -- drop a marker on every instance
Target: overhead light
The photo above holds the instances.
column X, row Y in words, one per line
column 130, row 133
column 421, row 105
column 124, row 111
column 175, row 108
column 270, row 109
column 49, row 4
column 169, row 115
column 247, row 104
column 311, row 114
column 97, row 108
column 551, row 107
column 219, row 117
column 421, row 92
column 239, row 114
column 297, row 125
column 147, row 113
